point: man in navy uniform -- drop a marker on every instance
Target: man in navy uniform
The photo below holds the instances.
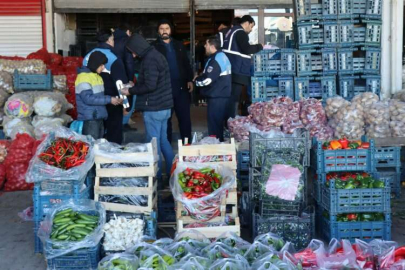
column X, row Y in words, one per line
column 216, row 82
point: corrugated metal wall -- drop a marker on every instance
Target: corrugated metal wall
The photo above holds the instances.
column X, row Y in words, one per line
column 20, row 27
column 122, row 6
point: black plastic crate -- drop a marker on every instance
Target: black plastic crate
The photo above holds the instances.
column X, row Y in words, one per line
column 166, row 212
column 297, row 230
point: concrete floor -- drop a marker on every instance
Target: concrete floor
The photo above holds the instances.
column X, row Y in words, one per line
column 17, row 236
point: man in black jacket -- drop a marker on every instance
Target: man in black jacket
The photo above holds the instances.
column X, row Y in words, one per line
column 239, row 51
column 121, row 36
column 216, row 83
column 154, row 95
column 114, row 71
column 181, row 75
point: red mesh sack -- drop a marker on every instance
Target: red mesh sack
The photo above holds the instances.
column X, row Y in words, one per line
column 56, row 59
column 15, row 174
column 41, row 54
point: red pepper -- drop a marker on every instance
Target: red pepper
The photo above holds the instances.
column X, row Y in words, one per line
column 365, row 145
column 352, row 217
column 400, row 251
column 198, row 189
column 345, row 143
column 190, row 184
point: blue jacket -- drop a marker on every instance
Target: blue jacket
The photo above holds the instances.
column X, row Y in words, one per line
column 90, row 97
column 216, row 80
column 237, row 48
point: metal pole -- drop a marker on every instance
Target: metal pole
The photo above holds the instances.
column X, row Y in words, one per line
column 192, row 35
column 386, row 50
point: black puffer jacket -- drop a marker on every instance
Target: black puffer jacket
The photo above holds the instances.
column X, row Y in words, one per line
column 153, row 87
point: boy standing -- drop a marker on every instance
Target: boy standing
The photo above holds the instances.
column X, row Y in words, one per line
column 90, row 98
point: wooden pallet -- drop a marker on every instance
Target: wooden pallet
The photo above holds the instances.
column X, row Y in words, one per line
column 212, row 232
column 149, row 170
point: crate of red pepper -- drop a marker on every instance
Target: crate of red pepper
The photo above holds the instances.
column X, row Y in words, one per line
column 201, row 189
column 351, row 226
column 355, row 192
column 343, row 155
column 63, row 155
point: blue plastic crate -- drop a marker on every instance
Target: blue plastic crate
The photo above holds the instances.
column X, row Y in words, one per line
column 266, row 88
column 243, row 159
column 330, row 9
column 32, row 81
column 343, row 160
column 365, row 231
column 274, row 62
column 373, row 83
column 321, row 87
column 243, row 178
column 350, row 86
column 309, row 35
column 345, row 9
column 372, row 60
column 331, row 32
column 151, row 224
column 338, row 201
column 359, row 7
column 373, row 30
column 43, row 203
column 166, row 212
column 329, row 61
column 393, row 176
column 302, row 9
column 345, row 60
column 82, row 259
column 37, row 242
column 309, row 62
column 374, row 9
column 387, row 157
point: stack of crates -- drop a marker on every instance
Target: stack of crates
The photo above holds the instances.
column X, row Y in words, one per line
column 273, row 74
column 339, row 39
column 388, row 166
column 345, row 212
column 288, row 219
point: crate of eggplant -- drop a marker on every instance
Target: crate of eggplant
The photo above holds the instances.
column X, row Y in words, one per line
column 125, row 176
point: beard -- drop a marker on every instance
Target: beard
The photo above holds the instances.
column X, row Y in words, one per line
column 165, row 36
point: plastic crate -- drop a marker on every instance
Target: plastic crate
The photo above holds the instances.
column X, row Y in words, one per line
column 387, row 157
column 345, row 60
column 346, row 33
column 38, row 248
column 329, row 61
column 321, row 87
column 166, row 212
column 245, row 213
column 393, row 176
column 243, row 180
column 372, row 60
column 32, row 81
column 337, row 201
column 330, row 9
column 366, row 231
column 243, row 159
column 309, row 35
column 350, row 86
column 296, row 144
column 359, row 7
column 316, row 10
column 265, row 88
column 274, row 62
column 331, row 31
column 43, row 203
column 374, row 9
column 271, row 207
column 82, row 259
column 343, row 160
column 302, row 9
column 150, row 228
column 345, row 9
column 297, row 230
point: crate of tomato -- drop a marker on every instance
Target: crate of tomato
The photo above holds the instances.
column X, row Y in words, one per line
column 355, row 192
column 343, row 155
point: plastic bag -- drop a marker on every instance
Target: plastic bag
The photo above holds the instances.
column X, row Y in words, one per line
column 219, row 251
column 322, row 133
column 11, row 123
column 379, row 131
column 312, row 113
column 51, row 104
column 40, row 171
column 145, row 252
column 268, row 114
column 365, row 99
column 21, row 128
column 23, row 66
column 255, row 251
column 308, row 257
column 207, row 207
column 27, row 214
column 237, row 263
column 238, row 128
column 190, row 258
column 3, row 97
column 163, row 242
column 181, row 249
column 292, row 120
column 19, row 105
column 6, row 82
column 377, row 114
column 339, row 255
column 231, row 240
column 283, row 182
column 348, row 122
column 270, row 240
column 122, row 260
column 106, row 149
column 54, row 248
column 364, row 254
column 333, row 105
column 60, row 84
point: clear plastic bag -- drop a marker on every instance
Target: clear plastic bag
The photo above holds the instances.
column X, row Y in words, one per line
column 119, row 261
column 9, row 123
column 322, row 133
column 181, row 249
column 208, row 207
column 283, row 182
column 6, row 82
column 107, row 149
column 382, row 130
column 3, row 97
column 268, row 114
column 39, row 171
column 333, row 105
column 19, row 105
column 145, row 252
column 270, row 240
column 163, row 242
column 239, row 127
column 23, row 66
column 338, row 255
column 255, row 251
column 308, row 257
column 204, row 262
column 231, row 240
column 187, row 265
column 27, row 214
column 269, row 261
column 21, row 128
column 217, row 251
column 397, row 128
column 237, row 263
column 45, row 128
column 60, row 83
column 55, row 248
column 43, row 120
column 364, row 254
column 51, row 104
column 377, row 113
column 292, row 120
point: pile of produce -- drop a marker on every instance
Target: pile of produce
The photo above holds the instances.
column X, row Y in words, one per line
column 65, row 154
column 199, row 183
column 349, row 180
column 357, row 217
column 120, row 261
column 69, row 225
column 3, row 154
column 345, row 144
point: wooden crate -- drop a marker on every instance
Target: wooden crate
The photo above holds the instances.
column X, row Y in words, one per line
column 149, row 170
column 221, row 218
column 212, row 232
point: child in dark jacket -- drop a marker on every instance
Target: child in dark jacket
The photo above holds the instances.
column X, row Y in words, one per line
column 90, row 97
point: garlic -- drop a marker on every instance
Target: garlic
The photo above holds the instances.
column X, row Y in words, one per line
column 122, row 233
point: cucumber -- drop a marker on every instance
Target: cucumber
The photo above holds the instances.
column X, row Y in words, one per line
column 88, row 217
column 62, row 237
column 82, row 221
column 61, row 220
column 80, row 231
column 70, row 227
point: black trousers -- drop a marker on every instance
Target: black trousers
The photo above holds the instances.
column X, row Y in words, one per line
column 94, row 128
column 182, row 110
column 216, row 116
column 113, row 124
column 233, row 103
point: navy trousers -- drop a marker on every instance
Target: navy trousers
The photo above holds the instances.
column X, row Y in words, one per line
column 182, row 110
column 216, row 116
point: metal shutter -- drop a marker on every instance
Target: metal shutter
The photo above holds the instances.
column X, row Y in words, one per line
column 238, row 4
column 20, row 27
